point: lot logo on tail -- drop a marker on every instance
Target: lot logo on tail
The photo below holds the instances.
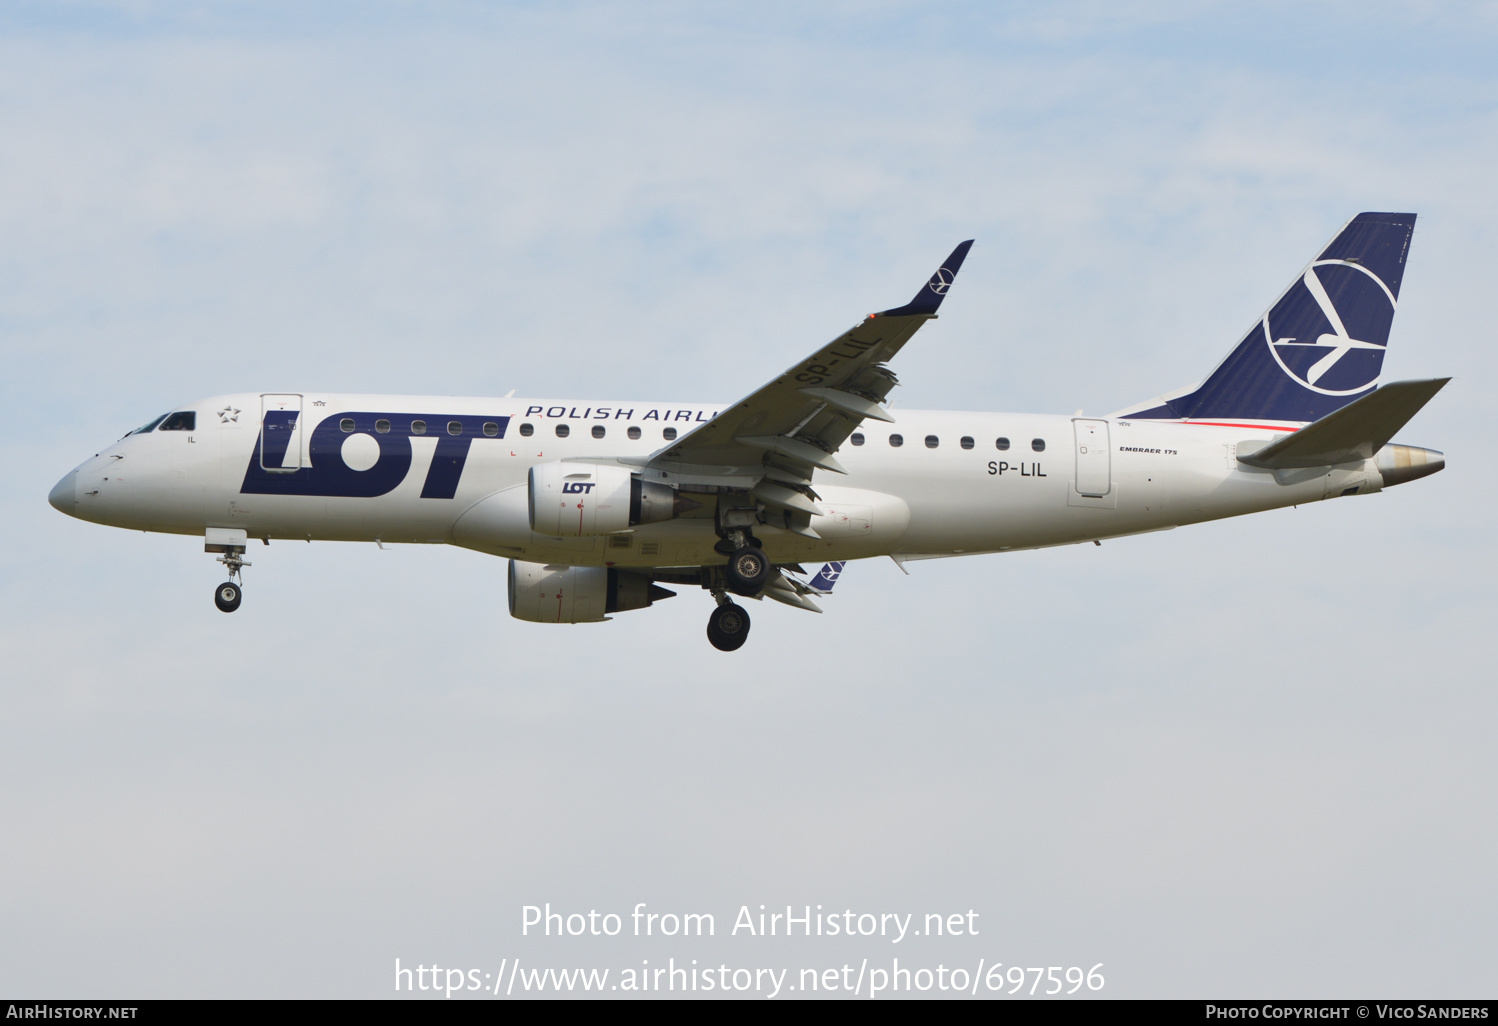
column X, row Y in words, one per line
column 1315, row 344
column 1320, row 346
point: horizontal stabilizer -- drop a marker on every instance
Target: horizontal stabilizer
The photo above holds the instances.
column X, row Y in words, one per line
column 1355, row 432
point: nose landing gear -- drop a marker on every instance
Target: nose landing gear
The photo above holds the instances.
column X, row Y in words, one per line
column 228, row 595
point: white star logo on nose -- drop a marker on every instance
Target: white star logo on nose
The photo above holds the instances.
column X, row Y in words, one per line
column 227, row 414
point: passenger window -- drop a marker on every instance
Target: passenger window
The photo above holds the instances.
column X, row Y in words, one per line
column 856, row 438
column 455, row 427
column 598, row 431
column 563, row 430
column 491, row 429
column 967, row 441
column 1038, row 444
column 185, row 421
column 633, row 432
column 669, row 434
column 1001, row 444
column 418, row 427
column 526, row 430
column 897, row 440
column 932, row 441
column 382, row 426
column 346, row 425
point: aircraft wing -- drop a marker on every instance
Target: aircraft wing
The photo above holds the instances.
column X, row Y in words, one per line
column 789, row 428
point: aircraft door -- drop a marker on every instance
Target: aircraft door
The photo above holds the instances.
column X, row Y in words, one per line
column 281, row 433
column 1094, row 458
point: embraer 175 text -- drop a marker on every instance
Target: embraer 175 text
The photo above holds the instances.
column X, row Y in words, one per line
column 598, row 503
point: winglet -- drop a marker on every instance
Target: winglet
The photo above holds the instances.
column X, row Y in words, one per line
column 929, row 298
column 827, row 577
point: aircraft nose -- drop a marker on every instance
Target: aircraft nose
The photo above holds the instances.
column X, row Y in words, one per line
column 64, row 494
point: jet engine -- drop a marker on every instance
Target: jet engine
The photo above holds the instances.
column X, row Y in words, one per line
column 579, row 500
column 543, row 593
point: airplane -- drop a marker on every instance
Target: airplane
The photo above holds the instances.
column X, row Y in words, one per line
column 598, row 504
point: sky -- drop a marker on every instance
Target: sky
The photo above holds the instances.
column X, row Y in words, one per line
column 1249, row 758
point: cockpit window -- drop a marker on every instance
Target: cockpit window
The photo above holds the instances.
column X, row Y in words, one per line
column 147, row 427
column 186, row 420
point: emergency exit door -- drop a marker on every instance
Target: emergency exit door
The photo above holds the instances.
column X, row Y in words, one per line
column 1094, row 458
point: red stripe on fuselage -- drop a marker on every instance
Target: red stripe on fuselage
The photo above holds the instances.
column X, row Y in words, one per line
column 1219, row 423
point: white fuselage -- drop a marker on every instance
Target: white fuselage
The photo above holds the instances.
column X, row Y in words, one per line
column 915, row 499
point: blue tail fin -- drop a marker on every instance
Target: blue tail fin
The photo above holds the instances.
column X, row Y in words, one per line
column 1319, row 347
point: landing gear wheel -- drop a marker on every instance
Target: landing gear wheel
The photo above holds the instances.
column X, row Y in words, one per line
column 227, row 596
column 728, row 627
column 748, row 571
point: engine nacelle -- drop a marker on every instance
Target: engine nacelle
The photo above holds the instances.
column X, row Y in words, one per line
column 544, row 593
column 580, row 500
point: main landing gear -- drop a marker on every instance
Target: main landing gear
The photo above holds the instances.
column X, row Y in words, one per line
column 728, row 627
column 747, row 573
